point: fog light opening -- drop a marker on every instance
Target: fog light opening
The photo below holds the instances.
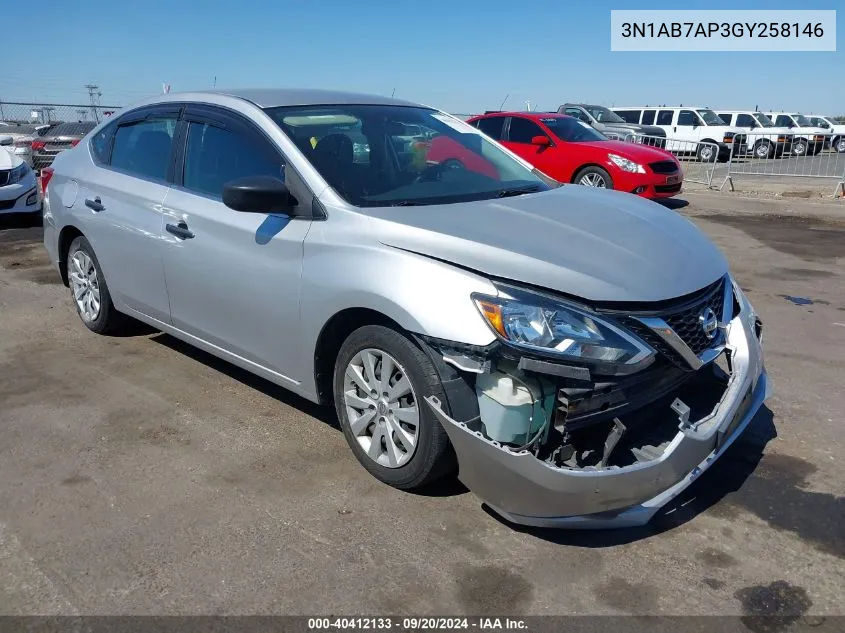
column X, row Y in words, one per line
column 640, row 189
column 32, row 198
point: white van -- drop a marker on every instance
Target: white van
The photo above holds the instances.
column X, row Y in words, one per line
column 834, row 128
column 688, row 124
column 808, row 139
column 765, row 139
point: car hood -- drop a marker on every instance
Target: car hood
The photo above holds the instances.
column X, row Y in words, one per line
column 8, row 160
column 594, row 244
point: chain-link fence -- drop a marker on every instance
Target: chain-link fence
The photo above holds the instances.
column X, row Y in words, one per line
column 39, row 131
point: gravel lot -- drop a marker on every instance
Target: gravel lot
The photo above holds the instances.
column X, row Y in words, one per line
column 142, row 476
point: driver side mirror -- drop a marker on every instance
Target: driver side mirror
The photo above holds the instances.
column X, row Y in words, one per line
column 541, row 141
column 258, row 194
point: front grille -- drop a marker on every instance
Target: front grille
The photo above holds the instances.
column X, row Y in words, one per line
column 663, row 167
column 668, row 188
column 4, row 177
column 7, row 204
column 683, row 318
column 59, row 145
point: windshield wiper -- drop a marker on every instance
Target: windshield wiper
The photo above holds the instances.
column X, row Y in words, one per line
column 516, row 191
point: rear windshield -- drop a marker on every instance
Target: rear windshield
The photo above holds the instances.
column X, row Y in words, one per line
column 72, row 129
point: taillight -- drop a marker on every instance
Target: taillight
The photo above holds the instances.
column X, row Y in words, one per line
column 46, row 175
column 36, row 145
column 74, row 142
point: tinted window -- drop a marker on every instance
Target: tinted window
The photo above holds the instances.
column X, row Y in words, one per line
column 143, row 147
column 492, row 126
column 664, row 117
column 648, row 117
column 630, row 116
column 726, row 117
column 744, row 120
column 578, row 114
column 523, row 130
column 784, row 121
column 214, row 156
column 687, row 118
column 101, row 144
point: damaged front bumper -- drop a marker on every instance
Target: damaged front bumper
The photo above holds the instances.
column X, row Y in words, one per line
column 529, row 491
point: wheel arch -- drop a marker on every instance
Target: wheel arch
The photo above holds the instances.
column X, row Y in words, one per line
column 580, row 168
column 66, row 237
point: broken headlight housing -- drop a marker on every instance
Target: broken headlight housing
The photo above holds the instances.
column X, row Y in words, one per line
column 536, row 322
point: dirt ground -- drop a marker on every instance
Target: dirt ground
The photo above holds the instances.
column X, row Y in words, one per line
column 138, row 475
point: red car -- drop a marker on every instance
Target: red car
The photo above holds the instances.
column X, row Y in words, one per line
column 569, row 150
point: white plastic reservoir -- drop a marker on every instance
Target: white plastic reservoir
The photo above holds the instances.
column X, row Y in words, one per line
column 513, row 409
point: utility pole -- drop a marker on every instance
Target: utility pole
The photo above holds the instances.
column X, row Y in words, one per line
column 94, row 95
column 214, row 85
column 82, row 112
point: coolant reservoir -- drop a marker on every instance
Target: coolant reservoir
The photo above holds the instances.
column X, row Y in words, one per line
column 511, row 409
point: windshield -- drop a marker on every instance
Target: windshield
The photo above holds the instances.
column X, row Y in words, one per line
column 763, row 120
column 710, row 117
column 801, row 120
column 571, row 130
column 387, row 155
column 603, row 115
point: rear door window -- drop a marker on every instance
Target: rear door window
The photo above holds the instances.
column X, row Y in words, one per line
column 523, row 130
column 142, row 148
column 664, row 117
column 492, row 126
column 688, row 118
column 648, row 117
column 784, row 121
column 744, row 120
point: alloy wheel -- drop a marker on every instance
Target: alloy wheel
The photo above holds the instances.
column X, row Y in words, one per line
column 593, row 179
column 762, row 151
column 381, row 407
column 840, row 146
column 85, row 285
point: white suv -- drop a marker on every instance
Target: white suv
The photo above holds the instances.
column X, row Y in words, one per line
column 831, row 126
column 765, row 140
column 685, row 125
column 807, row 138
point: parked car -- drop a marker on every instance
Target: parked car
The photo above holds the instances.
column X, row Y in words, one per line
column 22, row 137
column 59, row 138
column 765, row 140
column 569, row 150
column 503, row 325
column 687, row 127
column 807, row 138
column 608, row 122
column 828, row 124
column 18, row 185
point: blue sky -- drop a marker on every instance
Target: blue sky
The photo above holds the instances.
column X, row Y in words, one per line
column 462, row 56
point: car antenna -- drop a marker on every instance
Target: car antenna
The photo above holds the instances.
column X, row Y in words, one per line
column 503, row 102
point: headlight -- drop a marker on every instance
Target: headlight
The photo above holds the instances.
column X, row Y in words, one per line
column 541, row 323
column 626, row 165
column 18, row 173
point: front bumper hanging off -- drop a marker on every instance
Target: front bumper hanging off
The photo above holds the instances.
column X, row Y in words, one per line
column 528, row 491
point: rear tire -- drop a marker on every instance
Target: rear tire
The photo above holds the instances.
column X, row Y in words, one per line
column 799, row 147
column 361, row 359
column 89, row 290
column 593, row 177
column 839, row 144
column 706, row 153
column 764, row 150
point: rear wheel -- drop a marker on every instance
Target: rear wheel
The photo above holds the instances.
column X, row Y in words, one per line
column 89, row 290
column 593, row 177
column 799, row 147
column 839, row 144
column 764, row 149
column 706, row 153
column 380, row 381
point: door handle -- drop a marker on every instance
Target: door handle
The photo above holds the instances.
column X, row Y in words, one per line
column 95, row 204
column 179, row 230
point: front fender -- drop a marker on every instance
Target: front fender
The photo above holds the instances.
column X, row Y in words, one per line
column 351, row 269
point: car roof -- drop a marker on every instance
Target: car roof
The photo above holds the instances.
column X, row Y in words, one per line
column 530, row 115
column 276, row 97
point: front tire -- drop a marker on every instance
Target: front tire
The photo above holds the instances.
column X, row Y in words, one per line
column 706, row 153
column 89, row 290
column 380, row 381
column 593, row 177
column 799, row 147
column 764, row 149
column 839, row 144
